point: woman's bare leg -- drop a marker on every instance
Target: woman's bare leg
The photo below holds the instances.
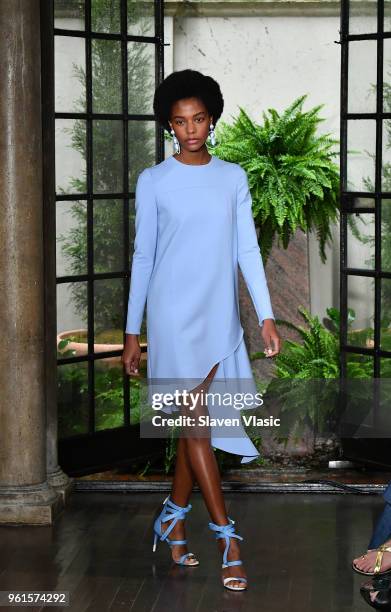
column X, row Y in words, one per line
column 182, row 487
column 184, row 478
column 180, row 494
column 205, row 469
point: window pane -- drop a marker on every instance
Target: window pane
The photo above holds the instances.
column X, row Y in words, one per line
column 361, row 298
column 106, row 76
column 141, row 77
column 108, row 311
column 362, row 18
column 69, row 14
column 105, row 16
column 109, row 397
column 108, row 235
column 361, row 241
column 72, row 399
column 72, row 307
column 359, row 366
column 71, row 238
column 362, row 76
column 142, row 148
column 361, row 148
column 70, row 156
column 107, row 156
column 385, row 367
column 353, row 202
column 385, row 314
column 141, row 18
column 70, row 93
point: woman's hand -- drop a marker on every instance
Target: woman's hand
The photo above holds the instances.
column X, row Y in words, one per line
column 131, row 355
column 271, row 338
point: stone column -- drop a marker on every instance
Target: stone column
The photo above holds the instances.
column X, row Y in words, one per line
column 25, row 495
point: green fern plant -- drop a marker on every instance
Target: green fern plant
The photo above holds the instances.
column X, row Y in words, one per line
column 317, row 355
column 307, row 371
column 293, row 180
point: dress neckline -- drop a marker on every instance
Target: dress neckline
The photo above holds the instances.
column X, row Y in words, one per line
column 193, row 165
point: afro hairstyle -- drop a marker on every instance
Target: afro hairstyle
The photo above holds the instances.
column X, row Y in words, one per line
column 187, row 84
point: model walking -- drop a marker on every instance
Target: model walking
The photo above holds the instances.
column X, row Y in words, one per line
column 194, row 227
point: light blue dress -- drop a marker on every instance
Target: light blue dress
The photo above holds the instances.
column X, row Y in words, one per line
column 194, row 226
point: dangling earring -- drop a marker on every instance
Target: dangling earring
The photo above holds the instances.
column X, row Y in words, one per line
column 212, row 135
column 176, row 142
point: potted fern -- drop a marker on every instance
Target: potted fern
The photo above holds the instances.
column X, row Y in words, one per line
column 305, row 388
column 293, row 179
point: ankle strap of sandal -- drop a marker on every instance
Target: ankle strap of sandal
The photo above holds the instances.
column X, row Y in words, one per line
column 226, row 532
column 172, row 512
column 179, row 509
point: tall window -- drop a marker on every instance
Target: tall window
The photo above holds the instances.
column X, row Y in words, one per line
column 366, row 189
column 108, row 61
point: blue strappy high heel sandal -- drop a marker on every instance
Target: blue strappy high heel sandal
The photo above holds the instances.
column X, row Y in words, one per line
column 175, row 513
column 227, row 532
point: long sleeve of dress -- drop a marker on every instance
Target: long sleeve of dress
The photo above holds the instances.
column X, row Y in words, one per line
column 249, row 255
column 144, row 251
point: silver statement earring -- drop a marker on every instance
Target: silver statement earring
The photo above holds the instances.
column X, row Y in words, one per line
column 212, row 135
column 176, row 142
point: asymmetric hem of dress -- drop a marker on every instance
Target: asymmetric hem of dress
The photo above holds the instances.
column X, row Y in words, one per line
column 235, row 365
column 194, row 229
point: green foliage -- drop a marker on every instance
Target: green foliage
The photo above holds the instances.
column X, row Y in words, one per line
column 109, row 404
column 72, row 392
column 318, row 355
column 109, row 401
column 306, row 386
column 293, row 180
column 307, row 372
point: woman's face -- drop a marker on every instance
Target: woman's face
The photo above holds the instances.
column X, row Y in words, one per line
column 190, row 121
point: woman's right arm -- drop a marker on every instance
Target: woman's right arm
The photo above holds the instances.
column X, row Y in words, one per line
column 142, row 265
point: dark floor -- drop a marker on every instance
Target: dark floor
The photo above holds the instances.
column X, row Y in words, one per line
column 297, row 552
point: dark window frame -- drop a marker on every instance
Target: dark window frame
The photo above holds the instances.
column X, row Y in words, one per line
column 49, row 117
column 347, row 197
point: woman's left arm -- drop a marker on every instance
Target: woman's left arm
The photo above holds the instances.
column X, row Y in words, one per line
column 251, row 265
